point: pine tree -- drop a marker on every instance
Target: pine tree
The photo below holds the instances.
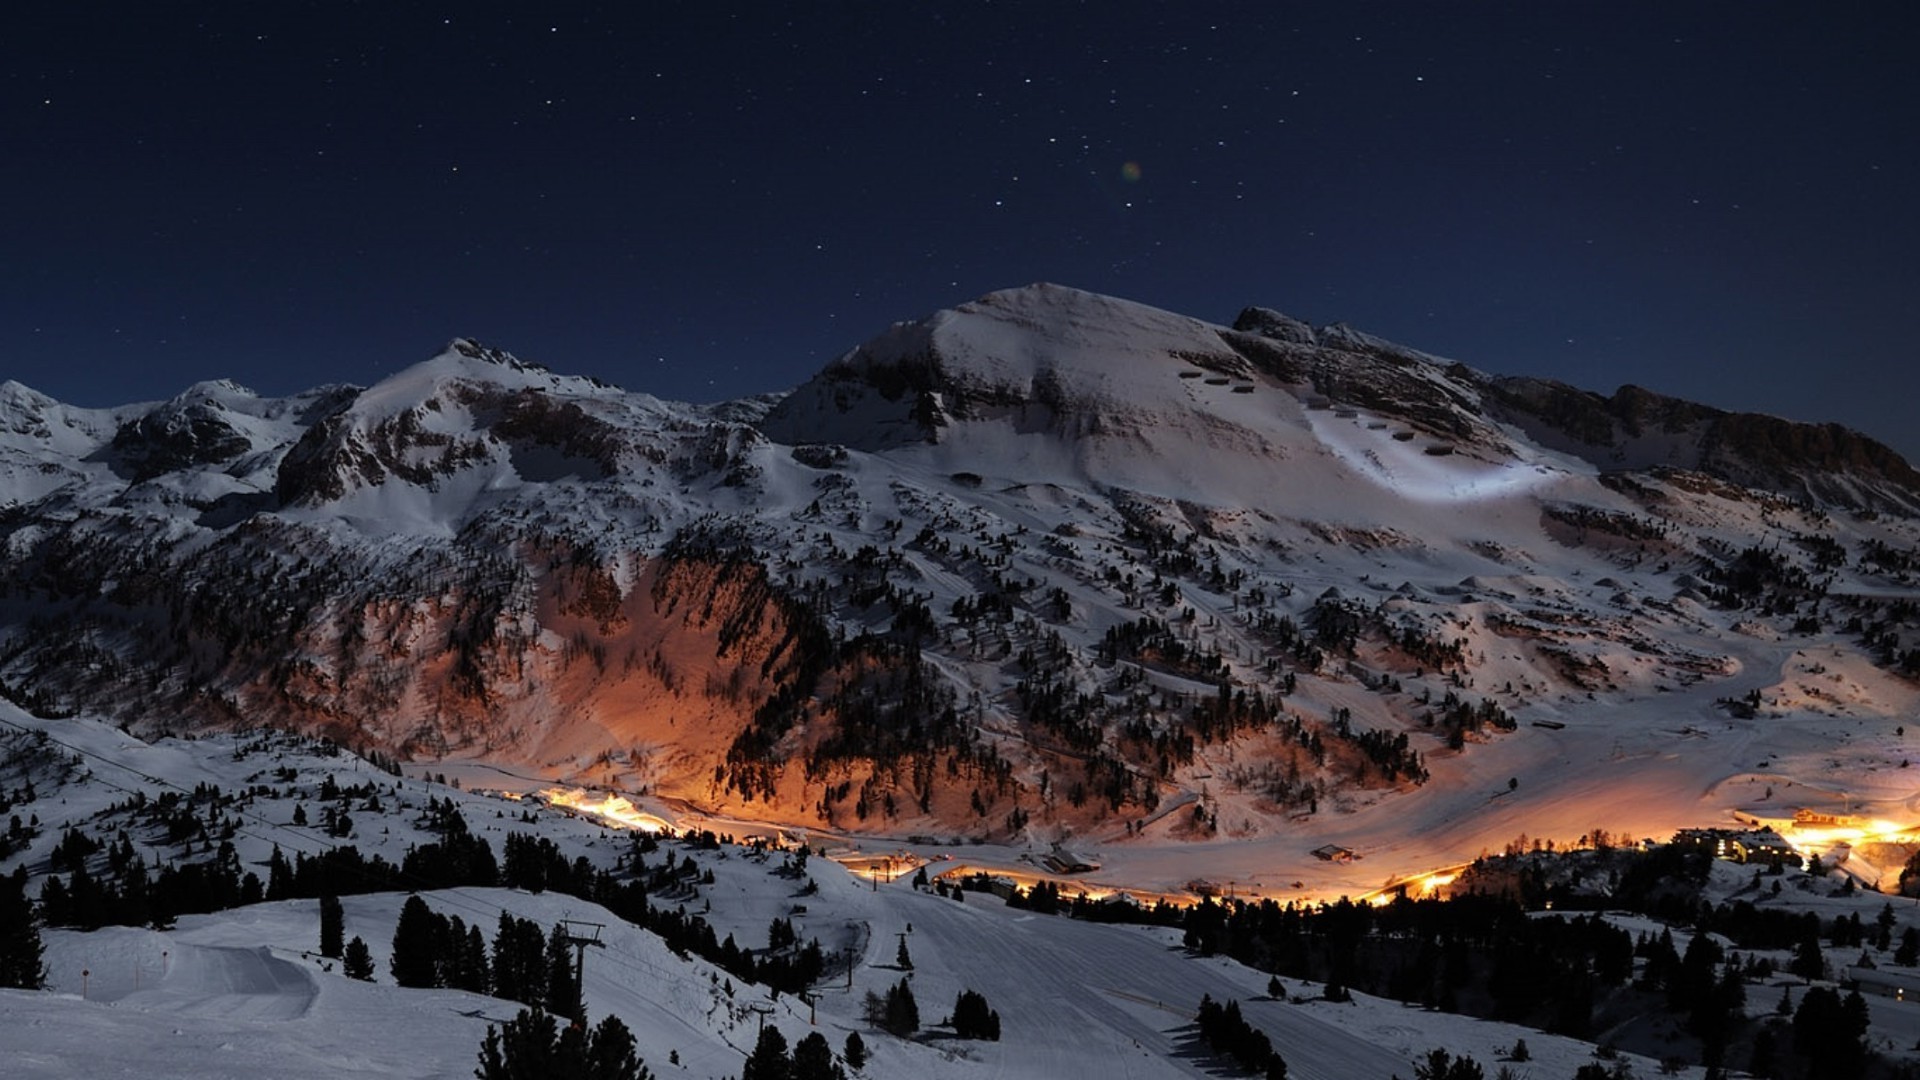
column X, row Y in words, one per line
column 470, row 970
column 769, row 1059
column 20, row 947
column 972, row 1019
column 855, row 1050
column 524, row 1048
column 613, row 1055
column 563, row 992
column 532, row 1047
column 332, row 926
column 813, row 1060
column 1808, row 962
column 415, row 959
column 901, row 959
column 356, row 961
column 520, row 961
column 902, row 1016
column 279, row 876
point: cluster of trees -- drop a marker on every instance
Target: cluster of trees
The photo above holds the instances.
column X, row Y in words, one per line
column 355, row 958
column 431, row 949
column 21, row 967
column 811, row 1059
column 527, row 964
column 894, row 1012
column 1440, row 1065
column 111, row 884
column 1457, row 719
column 1152, row 641
column 1700, row 986
column 124, row 893
column 1228, row 1034
column 1764, row 578
column 887, row 712
column 460, row 857
column 786, row 967
column 532, row 1046
column 19, row 834
column 973, row 1018
column 1387, row 750
column 1830, row 1031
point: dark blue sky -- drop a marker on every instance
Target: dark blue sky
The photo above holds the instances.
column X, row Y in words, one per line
column 704, row 200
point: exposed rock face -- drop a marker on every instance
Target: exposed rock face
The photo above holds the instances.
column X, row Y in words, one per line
column 1638, row 429
column 175, row 439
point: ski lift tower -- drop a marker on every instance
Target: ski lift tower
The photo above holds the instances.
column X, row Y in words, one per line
column 580, row 935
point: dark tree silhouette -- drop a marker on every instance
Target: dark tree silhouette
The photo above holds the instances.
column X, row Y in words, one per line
column 416, row 939
column 532, row 1047
column 332, row 926
column 356, row 961
column 20, row 947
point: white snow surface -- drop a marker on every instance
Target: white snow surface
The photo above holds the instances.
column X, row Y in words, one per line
column 241, row 993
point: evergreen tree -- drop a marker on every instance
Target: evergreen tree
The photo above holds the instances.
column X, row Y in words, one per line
column 520, row 961
column 415, row 959
column 901, row 959
column 563, row 992
column 1831, row 1033
column 897, row 1012
column 524, row 1048
column 1808, row 962
column 20, row 947
column 1441, row 1065
column 612, row 1053
column 469, row 970
column 356, row 961
column 332, row 925
column 855, row 1050
column 56, row 902
column 532, row 1047
column 769, row 1059
column 279, row 876
column 813, row 1060
column 972, row 1019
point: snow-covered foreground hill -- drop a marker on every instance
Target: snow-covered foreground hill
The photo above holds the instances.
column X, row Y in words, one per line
column 243, row 993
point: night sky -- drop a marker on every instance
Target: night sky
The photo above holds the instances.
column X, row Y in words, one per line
column 707, row 200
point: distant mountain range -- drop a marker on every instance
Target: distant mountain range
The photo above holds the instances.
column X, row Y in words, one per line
column 1046, row 562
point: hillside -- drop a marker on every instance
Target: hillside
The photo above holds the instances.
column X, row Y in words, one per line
column 243, row 986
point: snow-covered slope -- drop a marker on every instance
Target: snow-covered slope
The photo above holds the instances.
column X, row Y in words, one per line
column 1047, row 565
column 244, row 992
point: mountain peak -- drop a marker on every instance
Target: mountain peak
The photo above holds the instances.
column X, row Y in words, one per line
column 1042, row 357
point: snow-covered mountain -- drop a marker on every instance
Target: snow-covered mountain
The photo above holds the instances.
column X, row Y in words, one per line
column 1046, row 565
